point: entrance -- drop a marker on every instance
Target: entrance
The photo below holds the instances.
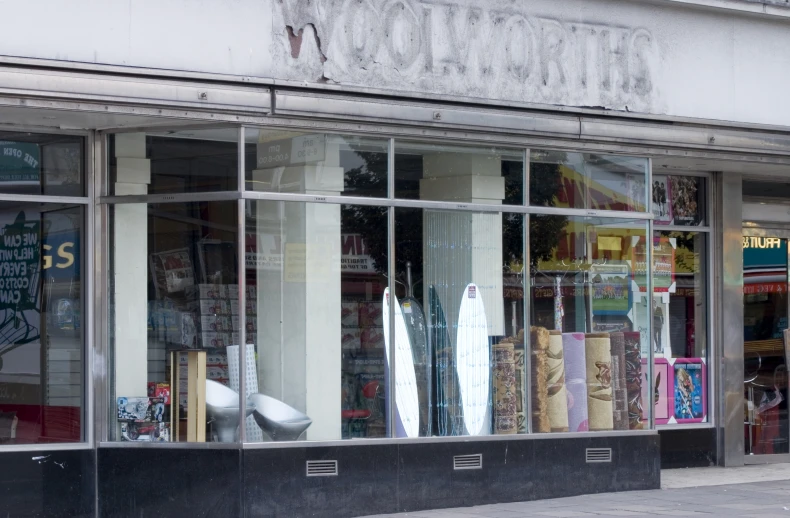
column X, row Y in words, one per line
column 766, row 309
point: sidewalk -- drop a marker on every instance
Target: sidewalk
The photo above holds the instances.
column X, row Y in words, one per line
column 750, row 491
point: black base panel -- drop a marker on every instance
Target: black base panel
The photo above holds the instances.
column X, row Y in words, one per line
column 166, row 482
column 47, row 484
column 411, row 477
column 694, row 448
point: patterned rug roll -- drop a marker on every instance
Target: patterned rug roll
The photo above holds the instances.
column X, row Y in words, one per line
column 575, row 381
column 505, row 421
column 598, row 352
column 633, row 379
column 558, row 396
column 539, row 343
column 618, row 381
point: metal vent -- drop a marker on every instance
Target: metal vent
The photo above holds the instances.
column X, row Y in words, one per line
column 596, row 455
column 321, row 468
column 468, row 461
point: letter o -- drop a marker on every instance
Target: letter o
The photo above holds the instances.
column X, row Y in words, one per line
column 519, row 47
column 404, row 37
column 362, row 22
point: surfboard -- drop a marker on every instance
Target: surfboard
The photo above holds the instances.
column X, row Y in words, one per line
column 407, row 405
column 414, row 318
column 473, row 362
column 448, row 413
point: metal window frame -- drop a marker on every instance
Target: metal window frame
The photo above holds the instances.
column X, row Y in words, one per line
column 87, row 245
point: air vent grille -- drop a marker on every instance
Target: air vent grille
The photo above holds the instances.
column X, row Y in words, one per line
column 597, row 455
column 468, row 461
column 321, row 468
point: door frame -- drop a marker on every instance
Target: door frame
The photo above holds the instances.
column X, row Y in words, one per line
column 782, row 231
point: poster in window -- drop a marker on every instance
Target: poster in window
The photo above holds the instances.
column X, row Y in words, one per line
column 685, row 195
column 689, row 390
column 172, row 271
column 662, row 199
column 660, row 387
column 663, row 268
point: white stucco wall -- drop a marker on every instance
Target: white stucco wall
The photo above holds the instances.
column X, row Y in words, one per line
column 663, row 58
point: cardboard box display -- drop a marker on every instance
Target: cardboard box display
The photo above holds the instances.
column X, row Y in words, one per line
column 370, row 314
column 372, row 338
column 351, row 338
column 207, row 291
column 349, row 314
column 217, row 323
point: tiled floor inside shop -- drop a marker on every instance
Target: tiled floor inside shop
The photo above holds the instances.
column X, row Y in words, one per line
column 750, row 491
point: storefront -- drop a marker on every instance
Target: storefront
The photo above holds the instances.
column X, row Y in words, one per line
column 429, row 290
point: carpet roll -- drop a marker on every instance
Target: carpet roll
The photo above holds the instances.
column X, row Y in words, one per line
column 558, row 396
column 575, row 381
column 539, row 343
column 619, row 389
column 521, row 383
column 598, row 355
column 505, row 389
column 633, row 379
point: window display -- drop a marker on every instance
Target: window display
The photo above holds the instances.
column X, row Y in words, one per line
column 588, row 340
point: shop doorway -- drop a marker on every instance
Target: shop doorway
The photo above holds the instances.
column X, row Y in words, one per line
column 766, row 307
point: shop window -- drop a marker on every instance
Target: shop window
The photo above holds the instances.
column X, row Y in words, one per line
column 315, row 163
column 41, row 323
column 464, row 174
column 458, row 345
column 175, row 314
column 34, row 163
column 590, row 328
column 679, row 200
column 172, row 162
column 316, row 281
column 589, row 181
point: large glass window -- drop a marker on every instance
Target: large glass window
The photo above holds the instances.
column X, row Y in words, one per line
column 41, row 324
column 34, row 163
column 174, row 294
column 316, row 280
column 591, row 328
column 171, row 162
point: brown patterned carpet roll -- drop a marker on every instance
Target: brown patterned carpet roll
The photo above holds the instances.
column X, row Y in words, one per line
column 633, row 379
column 505, row 394
column 558, row 395
column 618, row 381
column 598, row 353
column 539, row 343
column 521, row 387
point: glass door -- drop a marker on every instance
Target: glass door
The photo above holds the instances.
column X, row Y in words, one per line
column 765, row 307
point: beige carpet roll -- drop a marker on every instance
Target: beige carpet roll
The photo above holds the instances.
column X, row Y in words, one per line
column 539, row 343
column 558, row 395
column 598, row 352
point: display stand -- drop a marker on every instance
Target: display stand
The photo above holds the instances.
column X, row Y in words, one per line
column 195, row 394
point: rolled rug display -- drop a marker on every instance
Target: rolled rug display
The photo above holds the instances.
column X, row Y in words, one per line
column 558, row 397
column 633, row 379
column 521, row 382
column 505, row 421
column 598, row 353
column 619, row 390
column 575, row 381
column 539, row 343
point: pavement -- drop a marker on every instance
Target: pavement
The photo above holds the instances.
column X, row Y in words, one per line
column 750, row 491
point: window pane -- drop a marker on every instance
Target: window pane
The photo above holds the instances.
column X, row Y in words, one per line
column 315, row 163
column 41, row 333
column 680, row 319
column 171, row 162
column 587, row 181
column 679, row 200
column 33, row 163
column 591, row 326
column 459, row 327
column 470, row 174
column 316, row 276
column 175, row 314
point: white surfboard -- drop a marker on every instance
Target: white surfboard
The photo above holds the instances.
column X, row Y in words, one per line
column 406, row 395
column 473, row 362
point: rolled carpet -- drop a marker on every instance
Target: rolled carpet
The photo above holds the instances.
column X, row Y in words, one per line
column 618, row 381
column 633, row 379
column 521, row 387
column 598, row 355
column 575, row 381
column 539, row 343
column 505, row 421
column 558, row 397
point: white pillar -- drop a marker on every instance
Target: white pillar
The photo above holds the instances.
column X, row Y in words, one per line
column 130, row 245
column 299, row 331
column 464, row 247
